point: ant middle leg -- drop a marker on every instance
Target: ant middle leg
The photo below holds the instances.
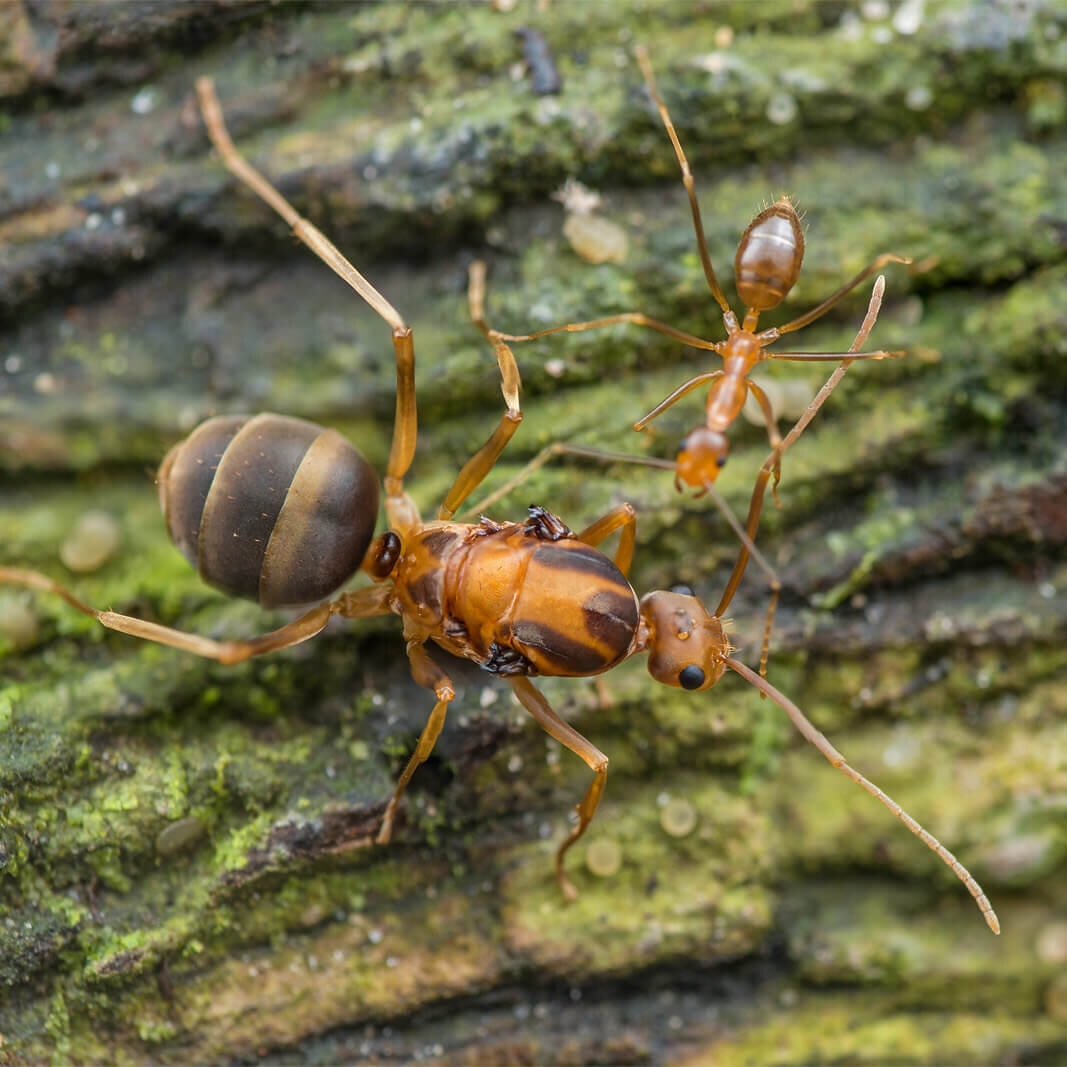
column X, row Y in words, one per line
column 362, row 603
column 534, row 702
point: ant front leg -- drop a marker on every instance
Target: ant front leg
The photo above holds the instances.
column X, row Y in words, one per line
column 363, row 603
column 427, row 674
column 693, row 383
column 534, row 702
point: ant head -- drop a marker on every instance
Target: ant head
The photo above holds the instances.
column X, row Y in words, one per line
column 769, row 256
column 687, row 647
column 701, row 455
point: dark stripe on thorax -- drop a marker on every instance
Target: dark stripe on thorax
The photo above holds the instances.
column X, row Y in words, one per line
column 582, row 559
column 437, row 542
column 611, row 618
column 427, row 588
column 573, row 657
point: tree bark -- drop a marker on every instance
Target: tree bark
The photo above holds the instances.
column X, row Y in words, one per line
column 185, row 868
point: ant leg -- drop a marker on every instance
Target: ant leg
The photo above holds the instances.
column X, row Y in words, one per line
column 534, row 702
column 482, row 462
column 820, row 741
column 557, row 448
column 688, row 387
column 749, row 548
column 773, row 435
column 687, row 178
column 426, row 673
column 624, row 516
column 399, row 507
column 634, row 318
column 772, row 462
column 817, row 312
column 321, row 245
column 835, row 357
column 360, row 604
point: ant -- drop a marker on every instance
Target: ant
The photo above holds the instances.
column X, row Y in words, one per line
column 282, row 511
column 767, row 264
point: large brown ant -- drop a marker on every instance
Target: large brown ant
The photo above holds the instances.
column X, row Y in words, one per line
column 282, row 511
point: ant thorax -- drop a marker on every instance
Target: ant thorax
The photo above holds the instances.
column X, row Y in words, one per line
column 517, row 598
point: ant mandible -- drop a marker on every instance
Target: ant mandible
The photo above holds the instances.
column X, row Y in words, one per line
column 281, row 511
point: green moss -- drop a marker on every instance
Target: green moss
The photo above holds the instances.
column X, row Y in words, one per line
column 921, row 507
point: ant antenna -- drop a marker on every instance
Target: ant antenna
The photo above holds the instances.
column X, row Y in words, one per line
column 819, row 740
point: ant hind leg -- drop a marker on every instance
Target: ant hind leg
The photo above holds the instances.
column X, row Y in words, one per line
column 360, row 604
column 401, row 510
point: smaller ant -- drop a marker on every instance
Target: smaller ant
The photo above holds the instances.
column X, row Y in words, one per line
column 746, row 535
column 281, row 511
column 766, row 267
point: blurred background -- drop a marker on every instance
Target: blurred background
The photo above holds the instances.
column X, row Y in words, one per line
column 183, row 873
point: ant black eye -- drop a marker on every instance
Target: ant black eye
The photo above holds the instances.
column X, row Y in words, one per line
column 720, row 460
column 692, row 677
column 682, row 589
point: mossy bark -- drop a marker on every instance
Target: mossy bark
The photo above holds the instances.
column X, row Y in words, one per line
column 185, row 871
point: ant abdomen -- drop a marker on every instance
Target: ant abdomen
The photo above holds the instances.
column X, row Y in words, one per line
column 268, row 507
column 769, row 257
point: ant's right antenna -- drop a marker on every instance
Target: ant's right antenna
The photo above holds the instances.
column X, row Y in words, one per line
column 819, row 740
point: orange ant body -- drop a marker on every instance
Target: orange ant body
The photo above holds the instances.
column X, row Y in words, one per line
column 281, row 511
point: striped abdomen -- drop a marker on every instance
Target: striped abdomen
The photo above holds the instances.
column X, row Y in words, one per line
column 576, row 614
column 269, row 507
column 531, row 606
column 769, row 257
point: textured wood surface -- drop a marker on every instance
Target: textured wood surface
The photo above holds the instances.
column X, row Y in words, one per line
column 182, row 877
